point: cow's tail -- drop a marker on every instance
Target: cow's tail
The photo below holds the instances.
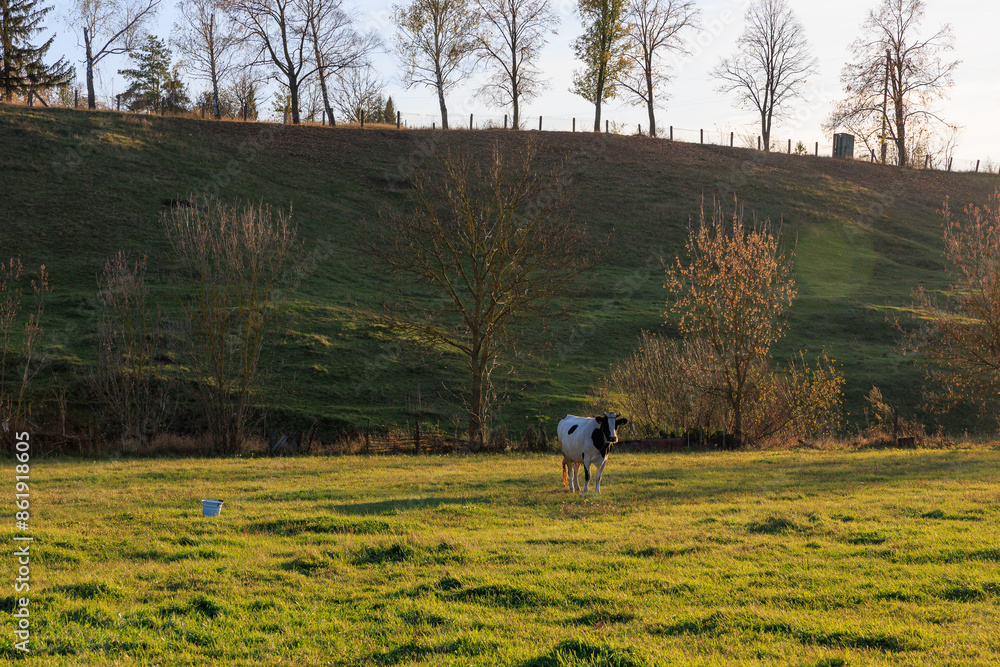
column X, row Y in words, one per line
column 566, row 473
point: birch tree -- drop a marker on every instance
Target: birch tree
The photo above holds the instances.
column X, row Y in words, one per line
column 436, row 39
column 335, row 44
column 510, row 44
column 209, row 41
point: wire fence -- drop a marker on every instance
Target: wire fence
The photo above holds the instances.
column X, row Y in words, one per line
column 712, row 136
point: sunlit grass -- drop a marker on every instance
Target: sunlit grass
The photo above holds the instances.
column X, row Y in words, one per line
column 798, row 558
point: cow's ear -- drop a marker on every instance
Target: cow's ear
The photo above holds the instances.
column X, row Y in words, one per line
column 600, row 420
column 620, row 422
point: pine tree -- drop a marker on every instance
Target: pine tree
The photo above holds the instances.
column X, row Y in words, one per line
column 22, row 70
column 389, row 115
column 153, row 86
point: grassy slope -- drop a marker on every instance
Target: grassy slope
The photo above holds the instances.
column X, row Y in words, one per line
column 792, row 558
column 77, row 185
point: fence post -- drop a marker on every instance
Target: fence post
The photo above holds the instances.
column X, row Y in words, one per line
column 574, row 124
column 702, row 135
column 470, row 121
column 362, row 119
column 539, row 123
column 76, row 98
column 731, row 139
column 118, row 102
column 640, row 129
column 606, row 126
column 399, row 115
column 926, row 158
column 949, row 163
column 322, row 119
column 416, row 440
column 505, row 121
column 433, row 125
column 977, row 166
column 671, row 133
column 817, row 149
column 758, row 142
column 789, row 146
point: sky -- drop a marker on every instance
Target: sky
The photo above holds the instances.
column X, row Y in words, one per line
column 694, row 102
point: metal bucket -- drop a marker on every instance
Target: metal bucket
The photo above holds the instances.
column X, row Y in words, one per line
column 211, row 507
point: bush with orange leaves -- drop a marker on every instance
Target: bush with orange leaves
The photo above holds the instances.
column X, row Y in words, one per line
column 730, row 297
column 959, row 328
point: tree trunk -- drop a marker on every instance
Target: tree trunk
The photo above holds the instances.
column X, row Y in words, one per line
column 598, row 97
column 900, row 135
column 91, row 99
column 476, row 397
column 293, row 93
column 649, row 100
column 326, row 97
column 215, row 95
column 444, row 108
column 765, row 131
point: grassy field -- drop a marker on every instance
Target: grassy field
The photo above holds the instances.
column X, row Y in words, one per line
column 778, row 558
column 79, row 185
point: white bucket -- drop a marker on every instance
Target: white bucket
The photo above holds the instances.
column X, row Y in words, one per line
column 211, row 507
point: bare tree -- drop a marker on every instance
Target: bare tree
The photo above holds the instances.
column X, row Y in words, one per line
column 771, row 63
column 244, row 88
column 731, row 292
column 895, row 78
column 208, row 40
column 237, row 257
column 359, row 95
column 491, row 235
column 602, row 49
column 435, row 39
column 336, row 45
column 654, row 27
column 20, row 337
column 959, row 329
column 110, row 27
column 126, row 368
column 515, row 32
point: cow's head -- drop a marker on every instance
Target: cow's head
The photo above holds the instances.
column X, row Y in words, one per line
column 609, row 422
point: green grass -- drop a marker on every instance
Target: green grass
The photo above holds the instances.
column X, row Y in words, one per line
column 79, row 185
column 777, row 558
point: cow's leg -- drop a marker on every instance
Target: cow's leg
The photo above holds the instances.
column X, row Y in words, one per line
column 574, row 477
column 598, row 474
column 586, row 474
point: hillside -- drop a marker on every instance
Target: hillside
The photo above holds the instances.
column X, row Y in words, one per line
column 76, row 186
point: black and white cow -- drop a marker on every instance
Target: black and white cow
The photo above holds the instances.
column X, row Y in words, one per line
column 587, row 440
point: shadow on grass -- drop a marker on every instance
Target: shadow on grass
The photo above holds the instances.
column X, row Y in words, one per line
column 805, row 473
column 406, row 504
column 581, row 653
column 719, row 623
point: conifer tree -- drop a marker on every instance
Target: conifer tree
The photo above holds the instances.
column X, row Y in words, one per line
column 22, row 69
column 389, row 114
column 154, row 87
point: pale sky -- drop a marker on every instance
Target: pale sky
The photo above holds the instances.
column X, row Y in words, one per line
column 693, row 100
